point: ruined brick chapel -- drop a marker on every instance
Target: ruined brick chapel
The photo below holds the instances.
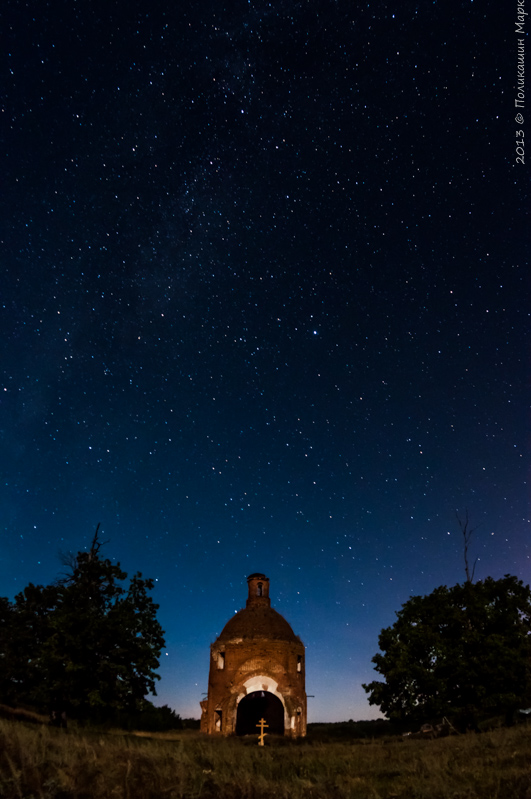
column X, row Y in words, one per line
column 256, row 670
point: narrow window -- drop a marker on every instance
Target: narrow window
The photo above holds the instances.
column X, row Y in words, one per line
column 218, row 718
column 259, row 589
column 221, row 660
column 299, row 662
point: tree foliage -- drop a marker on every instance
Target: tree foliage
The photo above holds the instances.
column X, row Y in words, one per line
column 88, row 644
column 462, row 652
column 152, row 719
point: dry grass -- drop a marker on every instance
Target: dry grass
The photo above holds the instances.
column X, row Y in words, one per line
column 45, row 763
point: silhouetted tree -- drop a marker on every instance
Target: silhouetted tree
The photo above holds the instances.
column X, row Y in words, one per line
column 462, row 652
column 24, row 630
column 87, row 644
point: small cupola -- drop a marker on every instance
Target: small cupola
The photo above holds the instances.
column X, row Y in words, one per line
column 258, row 590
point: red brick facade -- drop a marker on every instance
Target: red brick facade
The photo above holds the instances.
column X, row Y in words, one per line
column 257, row 657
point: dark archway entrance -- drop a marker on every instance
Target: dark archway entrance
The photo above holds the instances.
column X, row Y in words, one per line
column 257, row 705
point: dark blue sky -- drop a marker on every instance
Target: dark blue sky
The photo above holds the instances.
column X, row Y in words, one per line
column 263, row 309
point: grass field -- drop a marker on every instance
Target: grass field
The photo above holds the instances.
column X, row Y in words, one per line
column 40, row 762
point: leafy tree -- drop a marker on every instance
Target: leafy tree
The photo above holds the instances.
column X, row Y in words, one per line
column 87, row 644
column 24, row 628
column 462, row 652
column 7, row 650
column 151, row 719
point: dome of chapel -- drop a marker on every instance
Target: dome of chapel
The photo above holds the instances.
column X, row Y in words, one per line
column 258, row 619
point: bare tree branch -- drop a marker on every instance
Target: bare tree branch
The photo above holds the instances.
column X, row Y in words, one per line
column 467, row 535
column 71, row 560
column 96, row 543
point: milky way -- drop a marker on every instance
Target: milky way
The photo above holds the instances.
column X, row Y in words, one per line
column 263, row 310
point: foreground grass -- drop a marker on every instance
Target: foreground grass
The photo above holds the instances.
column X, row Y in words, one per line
column 45, row 763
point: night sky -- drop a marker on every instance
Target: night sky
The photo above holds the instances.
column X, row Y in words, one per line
column 263, row 309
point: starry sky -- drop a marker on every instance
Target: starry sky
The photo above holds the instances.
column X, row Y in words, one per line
column 263, row 309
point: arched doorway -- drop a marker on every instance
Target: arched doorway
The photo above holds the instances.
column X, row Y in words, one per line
column 258, row 705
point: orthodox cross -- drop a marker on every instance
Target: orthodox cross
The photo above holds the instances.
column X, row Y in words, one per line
column 262, row 723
